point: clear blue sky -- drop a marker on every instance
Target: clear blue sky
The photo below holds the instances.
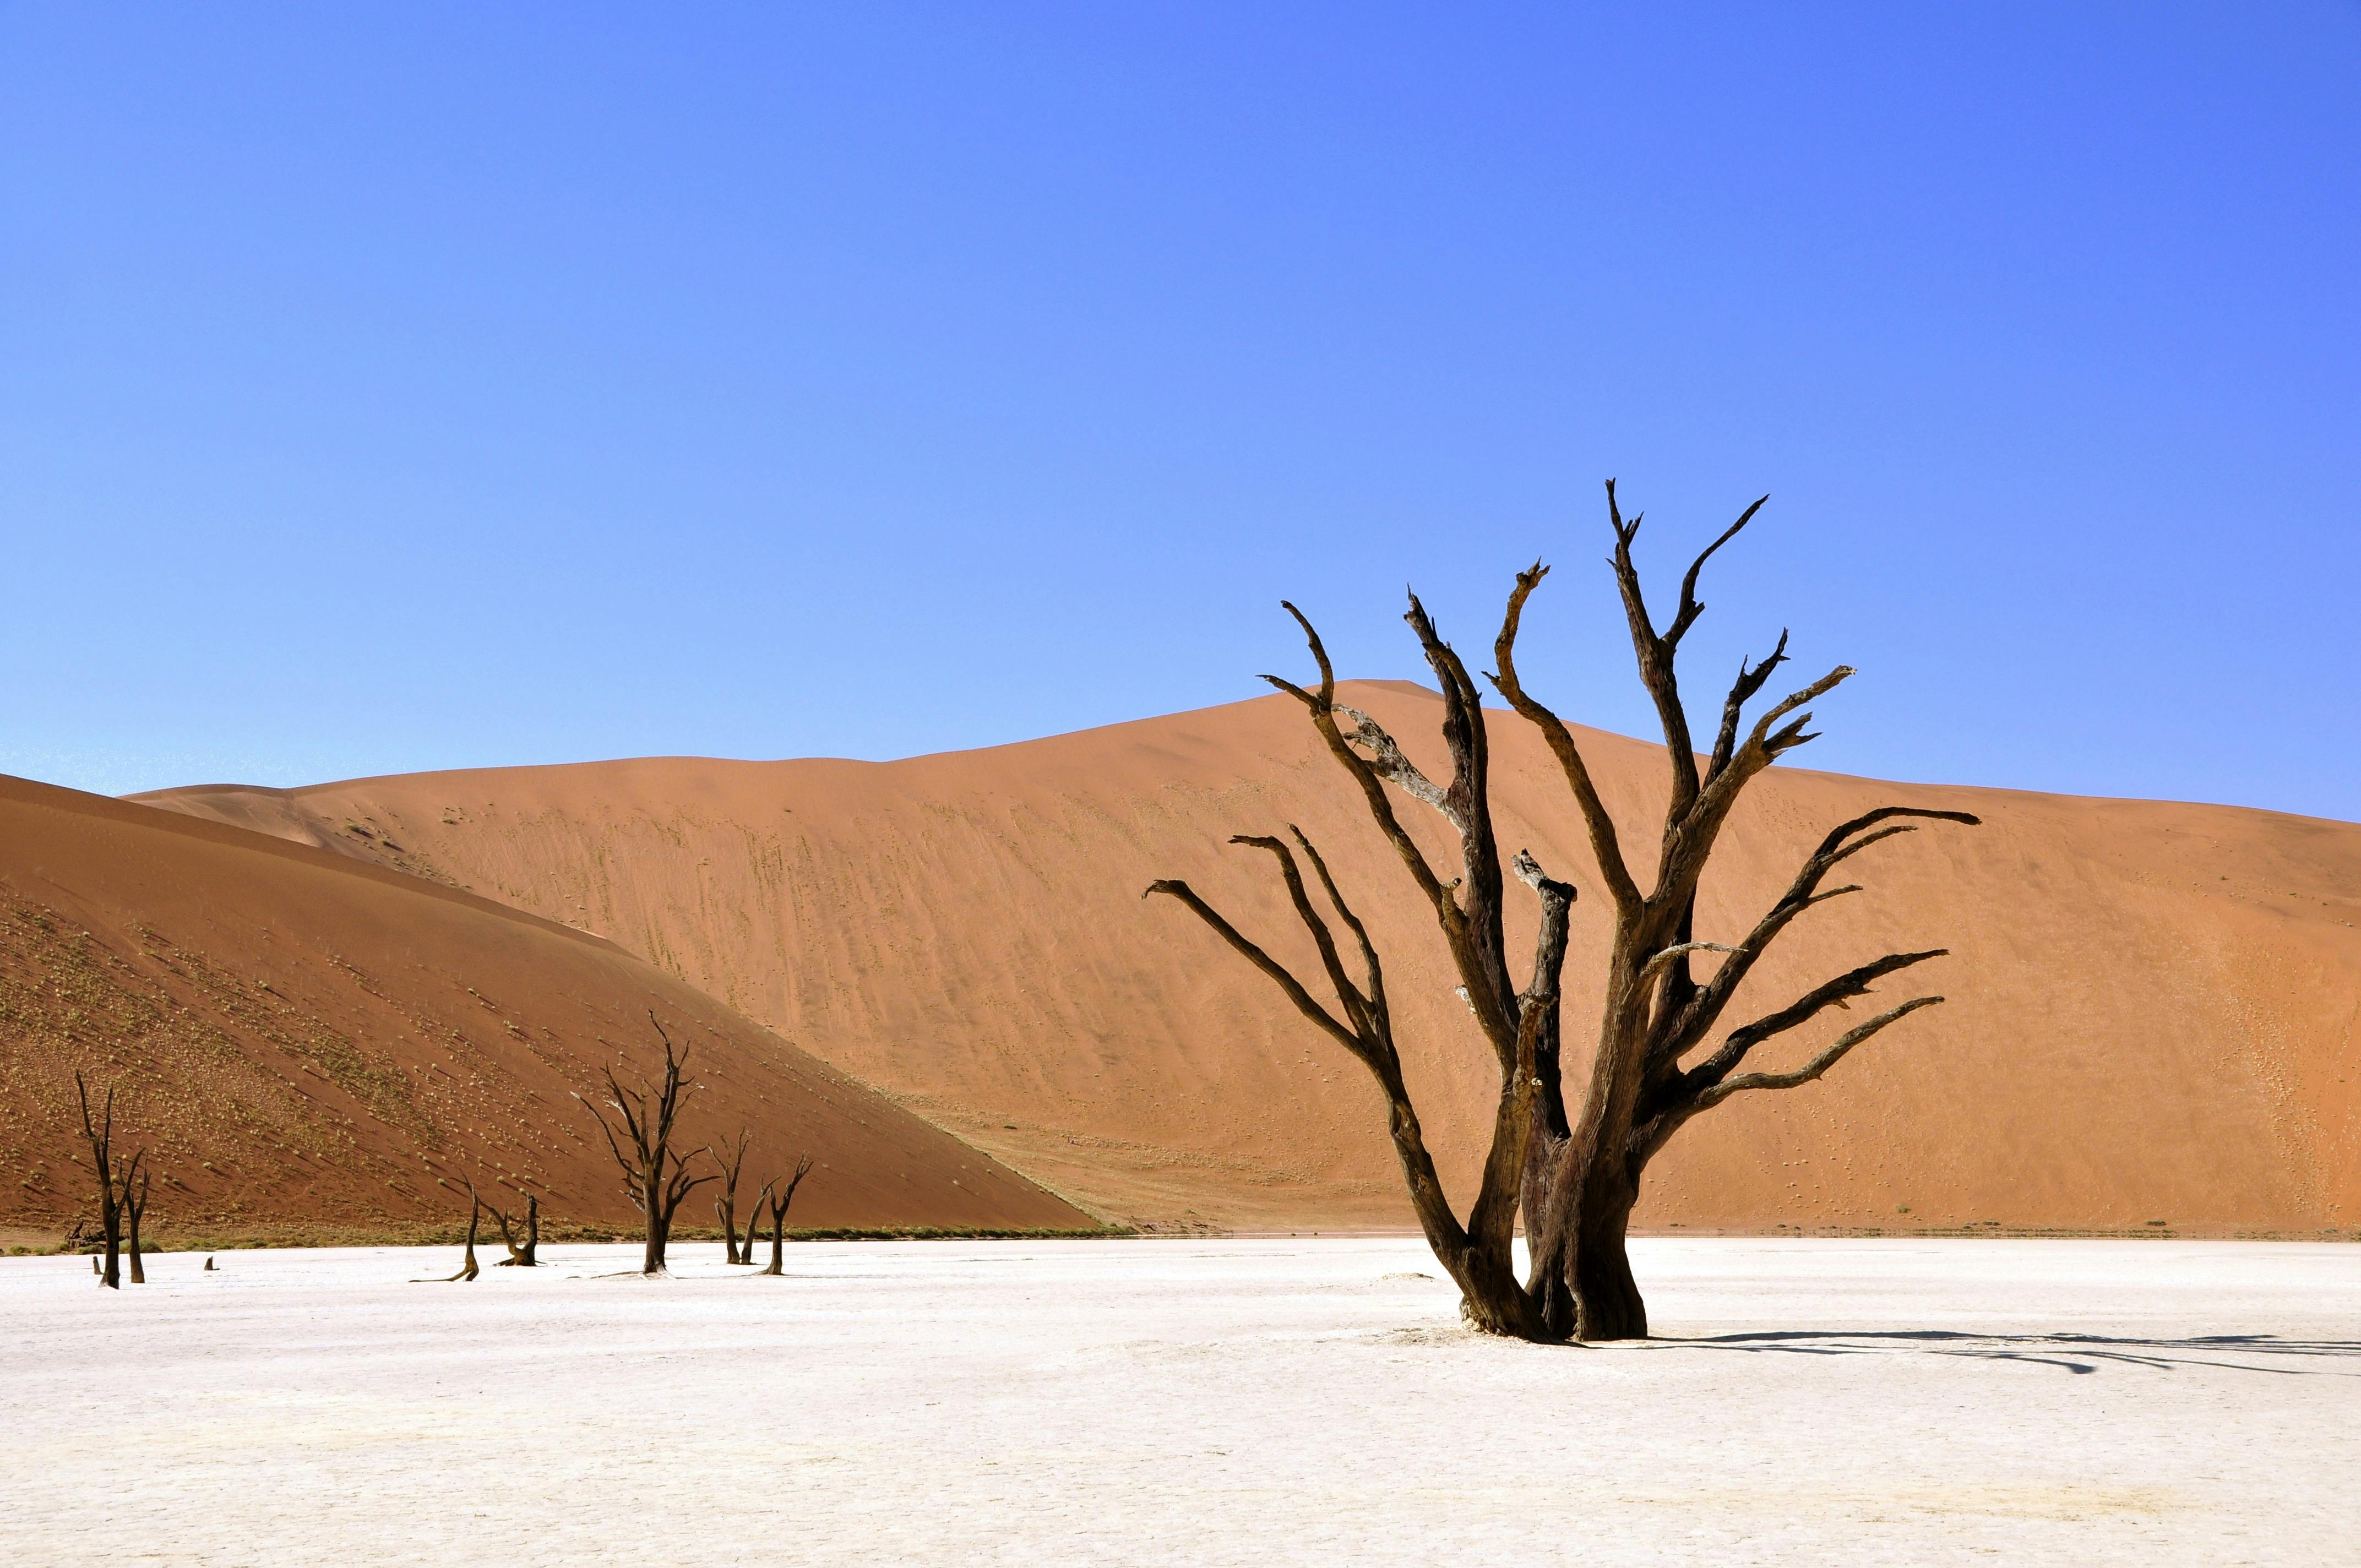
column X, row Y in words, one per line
column 419, row 387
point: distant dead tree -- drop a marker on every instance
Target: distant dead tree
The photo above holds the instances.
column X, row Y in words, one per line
column 731, row 1158
column 135, row 1208
column 655, row 1175
column 520, row 1257
column 467, row 1269
column 115, row 1181
column 1575, row 1174
column 775, row 1199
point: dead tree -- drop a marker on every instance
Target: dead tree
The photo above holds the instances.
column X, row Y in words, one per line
column 777, row 1198
column 1575, row 1172
column 467, row 1269
column 731, row 1158
column 100, row 1136
column 135, row 1208
column 528, row 1255
column 655, row 1175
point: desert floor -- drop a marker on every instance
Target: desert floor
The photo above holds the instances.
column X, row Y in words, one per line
column 1246, row 1401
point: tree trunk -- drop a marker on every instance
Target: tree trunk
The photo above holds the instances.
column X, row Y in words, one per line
column 652, row 1259
column 727, row 1212
column 1607, row 1303
column 1478, row 1258
column 112, row 1275
column 778, row 1243
column 1582, row 1276
column 1490, row 1298
column 467, row 1269
column 135, row 1187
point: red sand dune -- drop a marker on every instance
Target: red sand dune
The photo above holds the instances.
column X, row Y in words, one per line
column 307, row 1039
column 2152, row 1017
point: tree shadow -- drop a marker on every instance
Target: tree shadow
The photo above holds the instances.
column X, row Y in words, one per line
column 2074, row 1353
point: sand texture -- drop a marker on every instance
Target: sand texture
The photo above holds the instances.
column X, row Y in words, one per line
column 2153, row 1010
column 1187, row 1401
column 308, row 1040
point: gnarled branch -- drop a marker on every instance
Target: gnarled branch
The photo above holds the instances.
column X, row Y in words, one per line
column 1742, row 691
column 1252, row 953
column 1819, row 1064
column 1387, row 756
column 1380, row 1013
column 1656, row 651
column 1322, row 704
column 1605, row 846
column 1835, row 993
column 1677, row 1036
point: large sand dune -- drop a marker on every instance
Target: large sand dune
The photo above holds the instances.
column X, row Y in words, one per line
column 2153, row 1015
column 310, row 1041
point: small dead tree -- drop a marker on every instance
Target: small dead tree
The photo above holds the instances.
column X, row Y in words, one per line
column 135, row 1208
column 775, row 1199
column 467, row 1269
column 1573, row 1172
column 731, row 1158
column 526, row 1255
column 655, row 1175
column 100, row 1136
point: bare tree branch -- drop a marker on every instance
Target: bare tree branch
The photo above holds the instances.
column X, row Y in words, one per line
column 1380, row 1013
column 1819, row 1064
column 1478, row 937
column 1733, row 709
column 1690, row 609
column 1605, row 848
column 1322, row 706
column 1678, row 1035
column 1305, row 1001
column 1394, row 767
column 1657, row 965
column 1656, row 651
column 1837, row 992
column 1355, row 1005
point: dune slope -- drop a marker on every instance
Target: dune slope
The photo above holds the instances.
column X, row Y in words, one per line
column 309, row 1041
column 2152, row 1017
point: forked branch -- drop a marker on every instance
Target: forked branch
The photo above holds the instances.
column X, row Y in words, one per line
column 1656, row 651
column 1680, row 1033
column 1819, row 1064
column 775, row 1199
column 1605, row 846
column 1837, row 992
column 1321, row 706
column 1252, row 951
column 524, row 1254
